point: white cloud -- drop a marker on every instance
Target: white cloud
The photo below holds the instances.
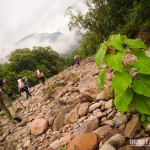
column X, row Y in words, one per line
column 20, row 18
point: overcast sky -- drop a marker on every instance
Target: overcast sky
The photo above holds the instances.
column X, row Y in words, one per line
column 19, row 18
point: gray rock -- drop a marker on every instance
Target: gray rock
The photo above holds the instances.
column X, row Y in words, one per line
column 107, row 147
column 119, row 120
column 115, row 142
column 94, row 106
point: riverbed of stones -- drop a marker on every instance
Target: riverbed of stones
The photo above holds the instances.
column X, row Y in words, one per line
column 70, row 113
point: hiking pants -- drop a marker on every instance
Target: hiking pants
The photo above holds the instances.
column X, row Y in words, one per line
column 5, row 105
column 27, row 92
column 42, row 79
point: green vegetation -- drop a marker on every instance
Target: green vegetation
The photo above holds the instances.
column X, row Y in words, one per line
column 24, row 62
column 106, row 17
column 130, row 82
column 64, row 147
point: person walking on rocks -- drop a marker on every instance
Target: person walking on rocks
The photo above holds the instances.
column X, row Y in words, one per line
column 77, row 59
column 6, row 105
column 23, row 86
column 41, row 77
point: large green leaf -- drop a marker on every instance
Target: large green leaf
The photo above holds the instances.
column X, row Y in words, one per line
column 142, row 64
column 100, row 54
column 134, row 43
column 141, row 103
column 116, row 42
column 102, row 76
column 122, row 101
column 115, row 61
column 141, row 84
column 120, row 82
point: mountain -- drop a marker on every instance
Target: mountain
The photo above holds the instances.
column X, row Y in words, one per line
column 41, row 37
column 63, row 44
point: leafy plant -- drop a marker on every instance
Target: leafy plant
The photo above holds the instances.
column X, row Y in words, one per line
column 131, row 80
column 64, row 147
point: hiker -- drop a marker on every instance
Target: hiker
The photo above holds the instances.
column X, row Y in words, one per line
column 77, row 59
column 6, row 105
column 26, row 81
column 23, row 87
column 9, row 93
column 41, row 77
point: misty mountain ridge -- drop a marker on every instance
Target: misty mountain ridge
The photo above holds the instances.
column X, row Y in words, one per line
column 61, row 43
column 41, row 37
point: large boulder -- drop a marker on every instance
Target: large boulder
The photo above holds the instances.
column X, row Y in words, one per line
column 58, row 121
column 39, row 126
column 83, row 142
column 133, row 127
column 114, row 143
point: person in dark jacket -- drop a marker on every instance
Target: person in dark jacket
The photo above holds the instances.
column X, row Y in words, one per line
column 6, row 105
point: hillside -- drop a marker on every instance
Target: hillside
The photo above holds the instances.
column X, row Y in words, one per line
column 69, row 113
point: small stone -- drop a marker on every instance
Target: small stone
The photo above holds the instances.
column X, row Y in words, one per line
column 83, row 109
column 148, row 127
column 109, row 104
column 110, row 122
column 27, row 143
column 94, row 106
column 104, row 119
column 120, row 119
column 111, row 115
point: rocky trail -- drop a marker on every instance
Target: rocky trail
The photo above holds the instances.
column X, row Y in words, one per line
column 69, row 113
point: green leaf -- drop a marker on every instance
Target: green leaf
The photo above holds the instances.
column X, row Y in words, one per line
column 141, row 85
column 120, row 82
column 116, row 42
column 122, row 101
column 141, row 103
column 123, row 37
column 134, row 43
column 115, row 61
column 142, row 64
column 148, row 118
column 144, row 123
column 143, row 118
column 100, row 54
column 102, row 76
